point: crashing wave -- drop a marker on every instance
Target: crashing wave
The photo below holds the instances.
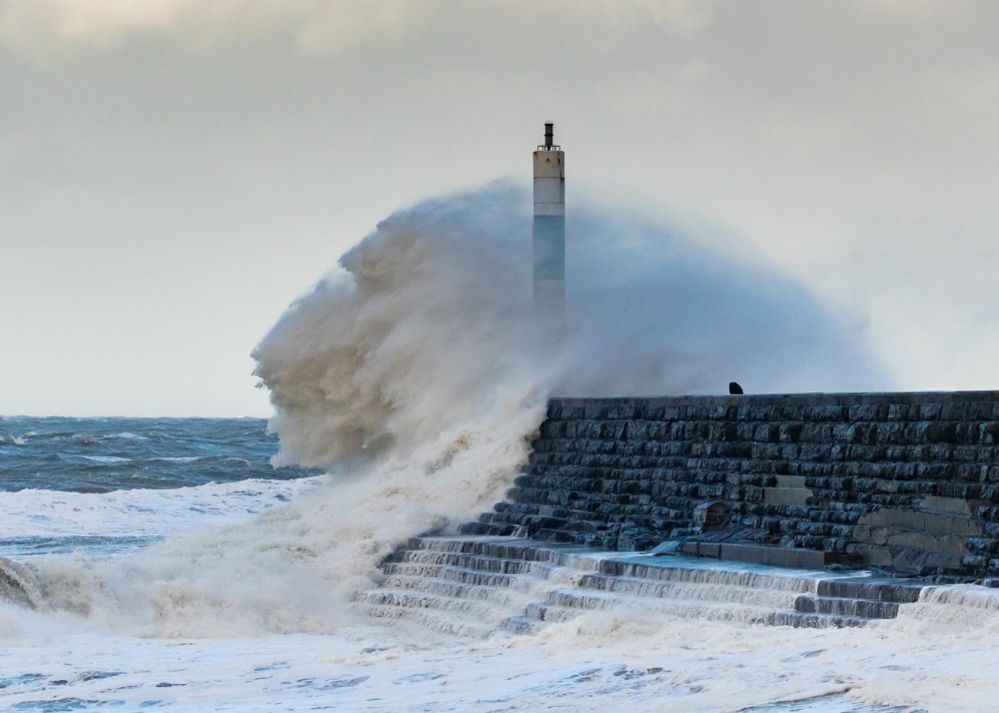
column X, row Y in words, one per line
column 416, row 374
column 19, row 584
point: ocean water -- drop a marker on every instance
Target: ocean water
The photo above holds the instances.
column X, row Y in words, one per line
column 100, row 455
column 118, row 489
column 109, row 485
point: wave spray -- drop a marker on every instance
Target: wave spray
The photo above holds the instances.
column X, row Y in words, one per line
column 415, row 375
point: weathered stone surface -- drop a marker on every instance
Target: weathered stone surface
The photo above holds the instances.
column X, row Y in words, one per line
column 796, row 558
column 907, row 482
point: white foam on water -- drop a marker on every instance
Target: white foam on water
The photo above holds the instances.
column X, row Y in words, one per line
column 972, row 610
column 598, row 661
column 142, row 512
column 129, row 436
column 107, row 459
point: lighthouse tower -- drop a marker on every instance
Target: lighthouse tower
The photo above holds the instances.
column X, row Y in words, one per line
column 549, row 227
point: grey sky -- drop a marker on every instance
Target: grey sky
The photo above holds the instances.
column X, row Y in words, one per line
column 173, row 173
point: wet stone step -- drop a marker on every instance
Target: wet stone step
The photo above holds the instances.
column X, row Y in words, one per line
column 799, row 620
column 482, row 528
column 483, row 585
column 448, row 573
column 682, row 604
column 417, row 600
column 861, row 608
column 505, row 596
column 878, row 589
column 436, row 621
column 479, row 562
column 694, row 572
column 640, row 589
column 553, row 613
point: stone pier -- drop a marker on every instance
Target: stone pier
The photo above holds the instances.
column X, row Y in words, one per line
column 902, row 482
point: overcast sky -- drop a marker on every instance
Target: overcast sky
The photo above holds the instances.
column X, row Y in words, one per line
column 174, row 172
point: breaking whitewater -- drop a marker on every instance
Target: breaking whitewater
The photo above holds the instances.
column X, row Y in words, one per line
column 166, row 564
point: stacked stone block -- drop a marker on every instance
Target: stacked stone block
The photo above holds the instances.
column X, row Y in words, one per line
column 906, row 482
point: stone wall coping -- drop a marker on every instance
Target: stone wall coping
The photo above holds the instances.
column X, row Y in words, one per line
column 811, row 399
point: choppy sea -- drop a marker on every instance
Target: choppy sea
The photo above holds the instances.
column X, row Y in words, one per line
column 109, row 488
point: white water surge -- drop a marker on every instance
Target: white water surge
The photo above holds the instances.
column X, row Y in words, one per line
column 142, row 512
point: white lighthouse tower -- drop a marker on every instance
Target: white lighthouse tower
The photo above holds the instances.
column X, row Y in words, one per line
column 549, row 227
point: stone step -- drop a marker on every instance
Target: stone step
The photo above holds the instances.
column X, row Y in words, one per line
column 479, row 563
column 462, row 575
column 512, row 548
column 492, row 530
column 437, row 621
column 549, row 613
column 644, row 588
column 801, row 620
column 481, row 584
column 733, row 574
column 792, row 557
column 882, row 589
column 503, row 595
column 732, row 603
column 407, row 599
column 653, row 569
column 861, row 608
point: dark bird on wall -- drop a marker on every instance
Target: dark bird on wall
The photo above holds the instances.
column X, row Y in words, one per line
column 734, row 388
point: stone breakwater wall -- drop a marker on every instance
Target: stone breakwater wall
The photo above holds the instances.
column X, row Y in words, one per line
column 904, row 482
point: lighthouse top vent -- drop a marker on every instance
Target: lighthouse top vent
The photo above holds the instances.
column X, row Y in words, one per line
column 549, row 144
